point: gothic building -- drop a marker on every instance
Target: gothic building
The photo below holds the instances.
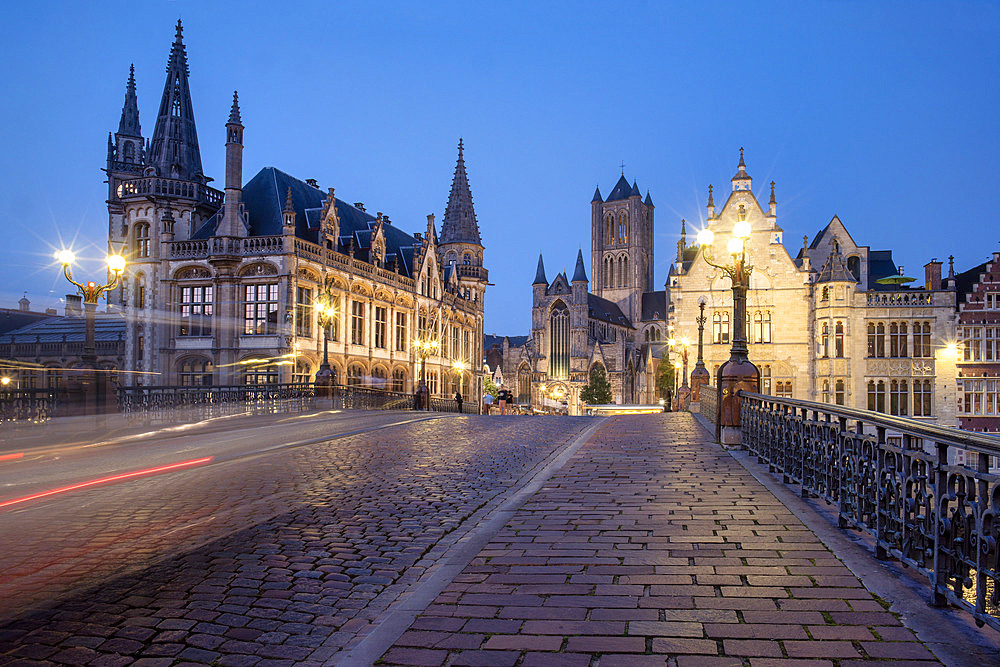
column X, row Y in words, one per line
column 221, row 285
column 834, row 323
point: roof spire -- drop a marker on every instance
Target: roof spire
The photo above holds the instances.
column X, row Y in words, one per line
column 597, row 195
column 129, row 124
column 580, row 273
column 772, row 192
column 951, row 266
column 234, row 113
column 540, row 273
column 289, row 205
column 711, row 202
column 459, row 224
column 741, row 181
column 174, row 150
column 742, row 163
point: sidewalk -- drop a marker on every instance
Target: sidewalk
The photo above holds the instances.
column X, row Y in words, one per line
column 654, row 545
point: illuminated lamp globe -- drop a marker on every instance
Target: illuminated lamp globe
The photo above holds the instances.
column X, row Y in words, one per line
column 706, row 237
column 686, row 342
column 735, row 245
column 741, row 229
column 5, row 381
column 116, row 263
column 65, row 257
column 671, row 342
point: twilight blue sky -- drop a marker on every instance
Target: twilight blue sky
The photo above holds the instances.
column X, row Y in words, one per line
column 884, row 113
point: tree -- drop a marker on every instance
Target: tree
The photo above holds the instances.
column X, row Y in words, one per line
column 490, row 387
column 598, row 390
column 665, row 378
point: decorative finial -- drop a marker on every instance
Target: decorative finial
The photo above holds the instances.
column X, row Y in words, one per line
column 622, row 165
column 178, row 36
column 742, row 163
column 289, row 206
column 461, row 148
column 710, row 200
column 234, row 112
column 805, row 242
column 951, row 266
column 131, row 75
column 683, row 230
column 772, row 192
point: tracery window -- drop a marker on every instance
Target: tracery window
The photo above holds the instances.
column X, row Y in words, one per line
column 195, row 373
column 783, row 389
column 876, row 339
column 355, row 375
column 897, row 339
column 196, row 310
column 559, row 342
column 720, row 327
column 142, row 239
column 825, row 345
column 379, row 379
column 898, row 397
column 876, row 396
column 826, row 391
column 260, row 309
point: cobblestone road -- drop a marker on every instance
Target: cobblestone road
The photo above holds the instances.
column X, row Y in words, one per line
column 651, row 545
column 360, row 519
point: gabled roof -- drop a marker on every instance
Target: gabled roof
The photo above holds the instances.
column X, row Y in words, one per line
column 654, row 306
column 607, row 311
column 264, row 200
column 622, row 190
column 965, row 281
column 822, row 233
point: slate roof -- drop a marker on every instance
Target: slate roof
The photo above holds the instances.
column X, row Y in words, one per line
column 835, row 270
column 264, row 198
column 607, row 311
column 622, row 190
column 881, row 265
column 654, row 306
column 489, row 340
column 460, row 225
column 580, row 272
column 107, row 327
column 597, row 195
column 540, row 273
column 12, row 318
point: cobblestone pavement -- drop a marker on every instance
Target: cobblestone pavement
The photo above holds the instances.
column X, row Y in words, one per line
column 652, row 545
column 341, row 528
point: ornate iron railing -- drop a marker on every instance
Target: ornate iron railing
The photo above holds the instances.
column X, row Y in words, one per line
column 896, row 479
column 369, row 398
column 708, row 406
column 449, row 405
column 158, row 399
column 31, row 405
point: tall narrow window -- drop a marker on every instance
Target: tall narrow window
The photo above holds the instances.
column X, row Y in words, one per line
column 765, row 379
column 196, row 311
column 401, row 333
column 880, row 340
column 610, row 230
column 826, row 391
column 357, row 323
column 381, row 324
column 303, row 311
column 758, row 327
column 140, row 291
column 717, row 328
column 142, row 239
column 559, row 342
column 624, row 279
column 825, row 345
column 456, row 350
column 839, row 340
column 398, row 380
column 872, row 402
column 839, row 392
column 260, row 309
column 766, row 330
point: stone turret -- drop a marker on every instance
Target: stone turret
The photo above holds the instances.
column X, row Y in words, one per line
column 232, row 216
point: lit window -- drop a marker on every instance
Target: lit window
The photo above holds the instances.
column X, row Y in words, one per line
column 260, row 309
column 196, row 311
column 196, row 373
column 357, row 324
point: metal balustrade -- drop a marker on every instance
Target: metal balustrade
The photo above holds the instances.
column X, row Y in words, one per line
column 30, row 405
column 897, row 480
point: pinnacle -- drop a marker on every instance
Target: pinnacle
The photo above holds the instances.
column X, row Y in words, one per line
column 459, row 224
column 289, row 205
column 234, row 113
column 179, row 34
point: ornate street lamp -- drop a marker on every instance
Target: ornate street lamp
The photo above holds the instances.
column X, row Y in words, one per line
column 424, row 348
column 326, row 313
column 738, row 373
column 700, row 375
column 91, row 293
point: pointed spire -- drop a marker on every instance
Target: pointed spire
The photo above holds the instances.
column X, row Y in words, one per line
column 741, row 175
column 289, row 205
column 540, row 273
column 460, row 225
column 635, row 190
column 772, row 192
column 622, row 190
column 234, row 113
column 711, row 202
column 129, row 123
column 432, row 235
column 597, row 195
column 649, row 200
column 683, row 229
column 742, row 164
column 580, row 273
column 174, row 150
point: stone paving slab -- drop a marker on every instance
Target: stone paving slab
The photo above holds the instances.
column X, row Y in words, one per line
column 654, row 546
column 364, row 516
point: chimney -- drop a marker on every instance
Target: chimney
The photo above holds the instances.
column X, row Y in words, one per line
column 312, row 182
column 74, row 305
column 359, row 205
column 932, row 275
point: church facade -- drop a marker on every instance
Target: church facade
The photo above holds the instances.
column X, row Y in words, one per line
column 834, row 323
column 222, row 286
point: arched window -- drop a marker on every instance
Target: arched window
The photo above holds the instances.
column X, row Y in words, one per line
column 898, row 397
column 766, row 329
column 623, row 227
column 611, row 272
column 302, row 373
column 765, row 379
column 467, row 259
column 195, row 373
column 609, row 227
column 379, row 379
column 854, row 266
column 758, row 327
column 839, row 392
column 355, row 375
column 559, row 342
column 624, row 277
column 140, row 290
column 398, row 380
column 876, row 396
column 142, row 239
column 129, row 152
column 261, row 375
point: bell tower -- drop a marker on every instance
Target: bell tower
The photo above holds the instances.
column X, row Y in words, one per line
column 622, row 246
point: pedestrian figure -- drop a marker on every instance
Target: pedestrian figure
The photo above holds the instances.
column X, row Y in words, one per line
column 458, row 400
column 503, row 396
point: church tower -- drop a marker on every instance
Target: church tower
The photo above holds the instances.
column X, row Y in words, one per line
column 174, row 150
column 460, row 245
column 622, row 246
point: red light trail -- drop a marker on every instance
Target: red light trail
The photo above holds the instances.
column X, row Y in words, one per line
column 104, row 480
column 11, row 457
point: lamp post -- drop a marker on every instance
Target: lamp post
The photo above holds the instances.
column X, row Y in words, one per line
column 91, row 293
column 326, row 311
column 738, row 373
column 424, row 348
column 699, row 375
column 681, row 366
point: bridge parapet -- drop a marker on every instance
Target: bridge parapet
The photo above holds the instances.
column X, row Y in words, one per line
column 898, row 480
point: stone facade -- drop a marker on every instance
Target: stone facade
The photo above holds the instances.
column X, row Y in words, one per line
column 221, row 286
column 978, row 344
